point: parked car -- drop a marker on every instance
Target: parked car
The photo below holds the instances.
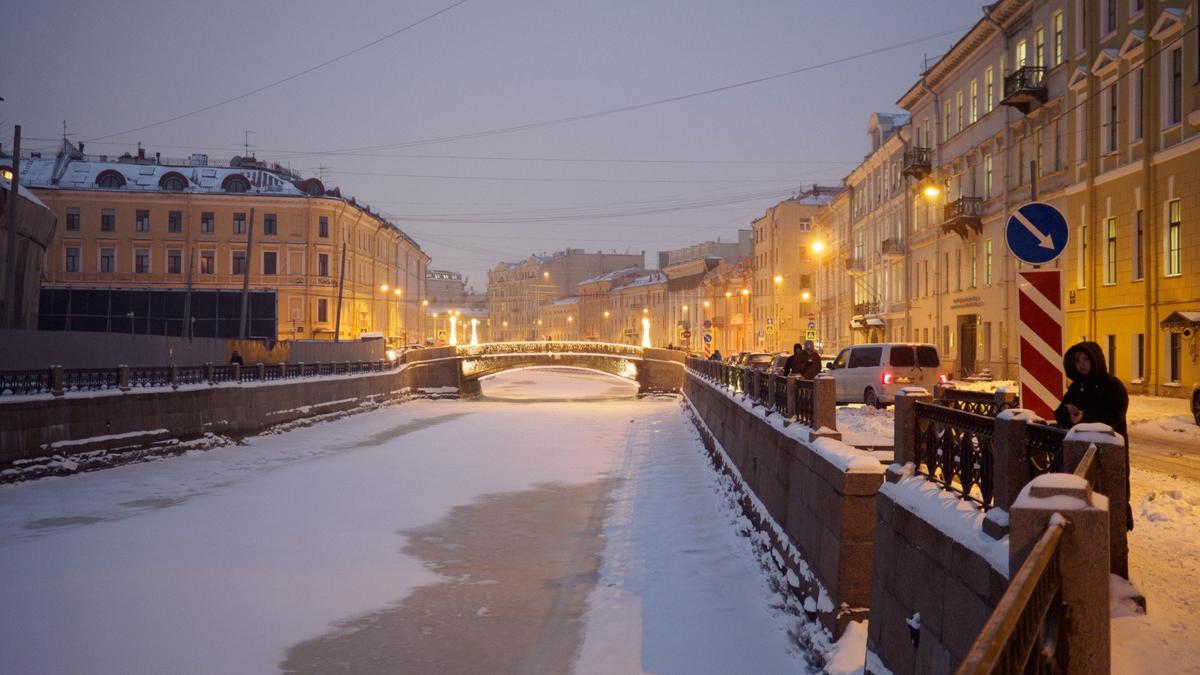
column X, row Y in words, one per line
column 779, row 362
column 738, row 358
column 758, row 361
column 873, row 373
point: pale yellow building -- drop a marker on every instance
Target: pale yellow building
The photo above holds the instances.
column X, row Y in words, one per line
column 152, row 245
column 725, row 306
column 559, row 319
column 596, row 321
column 643, row 297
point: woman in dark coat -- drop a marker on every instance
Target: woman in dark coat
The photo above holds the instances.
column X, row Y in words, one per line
column 1094, row 396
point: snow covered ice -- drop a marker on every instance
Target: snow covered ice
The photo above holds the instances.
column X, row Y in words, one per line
column 220, row 561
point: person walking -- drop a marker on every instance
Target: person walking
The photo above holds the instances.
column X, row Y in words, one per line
column 716, row 355
column 235, row 359
column 812, row 363
column 1095, row 395
column 797, row 362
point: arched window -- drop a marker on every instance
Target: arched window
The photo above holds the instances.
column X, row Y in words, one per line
column 235, row 182
column 311, row 186
column 110, row 179
column 173, row 181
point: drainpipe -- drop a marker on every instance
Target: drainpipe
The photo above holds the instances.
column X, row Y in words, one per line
column 1010, row 269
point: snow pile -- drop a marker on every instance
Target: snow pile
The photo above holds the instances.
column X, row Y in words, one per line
column 863, row 426
column 957, row 518
column 1164, row 563
column 849, row 655
column 982, row 385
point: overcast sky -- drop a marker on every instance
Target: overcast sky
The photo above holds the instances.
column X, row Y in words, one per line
column 109, row 67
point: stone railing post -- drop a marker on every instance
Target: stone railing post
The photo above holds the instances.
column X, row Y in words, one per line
column 173, row 377
column 262, row 371
column 209, row 372
column 825, row 403
column 1110, row 482
column 906, row 424
column 123, row 377
column 1083, row 560
column 1010, row 467
column 793, row 397
column 237, row 372
column 56, row 380
column 301, row 371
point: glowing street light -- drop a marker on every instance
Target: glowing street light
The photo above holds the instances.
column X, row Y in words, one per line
column 932, row 192
column 424, row 303
column 806, row 296
column 818, row 246
column 645, row 332
column 779, row 278
column 384, row 288
column 474, row 337
column 453, row 331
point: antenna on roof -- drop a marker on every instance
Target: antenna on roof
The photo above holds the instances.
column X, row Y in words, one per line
column 246, row 142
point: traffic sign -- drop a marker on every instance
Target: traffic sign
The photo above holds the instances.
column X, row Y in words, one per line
column 770, row 329
column 707, row 324
column 1036, row 233
column 812, row 325
column 1040, row 334
column 687, row 334
column 810, row 335
column 707, row 337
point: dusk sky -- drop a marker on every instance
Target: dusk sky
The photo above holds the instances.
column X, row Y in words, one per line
column 365, row 122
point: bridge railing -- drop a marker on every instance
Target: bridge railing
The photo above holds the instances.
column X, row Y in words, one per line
column 59, row 381
column 502, row 348
column 978, row 402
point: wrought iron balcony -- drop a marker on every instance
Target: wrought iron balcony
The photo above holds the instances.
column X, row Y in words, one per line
column 1025, row 88
column 856, row 266
column 865, row 308
column 892, row 247
column 917, row 162
column 963, row 213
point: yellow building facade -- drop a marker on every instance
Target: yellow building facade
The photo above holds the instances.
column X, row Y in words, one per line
column 147, row 224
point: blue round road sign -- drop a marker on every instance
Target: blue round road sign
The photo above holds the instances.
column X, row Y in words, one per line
column 1036, row 233
column 708, row 337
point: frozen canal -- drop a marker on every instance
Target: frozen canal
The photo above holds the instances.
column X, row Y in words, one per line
column 557, row 525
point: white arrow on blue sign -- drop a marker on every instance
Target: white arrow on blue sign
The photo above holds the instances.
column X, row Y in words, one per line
column 1036, row 233
column 708, row 337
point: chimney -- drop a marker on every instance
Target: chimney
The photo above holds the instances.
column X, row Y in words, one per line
column 141, row 151
column 81, row 147
column 158, row 158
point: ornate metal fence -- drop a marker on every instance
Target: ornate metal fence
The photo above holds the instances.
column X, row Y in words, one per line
column 150, row 377
column 24, row 382
column 1043, row 446
column 781, row 396
column 806, row 402
column 90, row 379
column 954, row 448
column 978, row 402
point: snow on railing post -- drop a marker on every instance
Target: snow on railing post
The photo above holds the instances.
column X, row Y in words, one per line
column 1111, row 473
column 905, row 431
column 209, row 372
column 1010, row 466
column 1049, row 499
column 123, row 377
column 824, row 403
column 237, row 372
column 173, row 376
column 56, row 380
column 262, row 372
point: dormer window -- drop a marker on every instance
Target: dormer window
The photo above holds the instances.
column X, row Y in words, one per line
column 172, row 182
column 111, row 180
column 235, row 183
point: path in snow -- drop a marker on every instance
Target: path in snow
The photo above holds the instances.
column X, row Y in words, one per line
column 471, row 528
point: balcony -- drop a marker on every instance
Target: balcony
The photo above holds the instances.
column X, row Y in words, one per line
column 856, row 266
column 891, row 248
column 963, row 213
column 1025, row 89
column 865, row 308
column 917, row 162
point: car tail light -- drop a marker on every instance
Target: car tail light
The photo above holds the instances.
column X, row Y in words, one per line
column 941, row 378
column 885, row 377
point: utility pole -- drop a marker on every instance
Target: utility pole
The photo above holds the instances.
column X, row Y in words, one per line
column 246, row 276
column 9, row 319
column 337, row 320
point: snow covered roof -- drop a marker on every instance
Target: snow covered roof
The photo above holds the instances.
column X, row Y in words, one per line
column 608, row 276
column 654, row 277
column 569, row 300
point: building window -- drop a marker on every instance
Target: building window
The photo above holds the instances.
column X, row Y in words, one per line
column 946, row 121
column 323, row 227
column 108, row 260
column 1174, row 356
column 110, row 179
column 108, row 220
column 958, row 100
column 206, row 222
column 239, row 223
column 270, row 225
column 1137, row 246
column 71, row 263
column 174, row 262
column 173, row 182
column 239, row 262
column 987, row 176
column 72, row 219
column 235, row 183
column 323, row 264
column 174, row 221
column 1174, row 238
column 972, row 262
column 1020, row 54
column 1083, row 253
column 270, row 259
column 142, row 222
column 1039, row 47
column 1135, row 106
column 989, row 85
column 1108, row 103
column 1058, row 38
column 987, row 262
column 1110, row 25
column 1139, row 356
column 974, row 101
column 1110, row 252
column 1174, row 92
column 1135, row 7
column 208, row 262
column 141, row 261
column 322, row 310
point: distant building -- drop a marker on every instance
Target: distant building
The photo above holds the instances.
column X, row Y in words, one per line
column 685, row 298
column 517, row 290
column 644, row 297
column 731, row 252
column 153, row 245
column 559, row 319
column 444, row 288
column 725, row 305
column 595, row 310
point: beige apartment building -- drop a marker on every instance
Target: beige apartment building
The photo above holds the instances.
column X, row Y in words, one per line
column 685, row 309
column 643, row 297
column 516, row 290
column 783, row 288
column 559, row 319
column 595, row 307
column 835, row 287
column 152, row 245
column 725, row 305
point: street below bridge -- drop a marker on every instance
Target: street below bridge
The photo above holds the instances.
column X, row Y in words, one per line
column 557, row 524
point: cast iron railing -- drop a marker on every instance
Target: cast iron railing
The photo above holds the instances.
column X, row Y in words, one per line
column 978, row 402
column 954, row 449
column 1043, row 448
column 806, row 402
column 24, row 382
column 780, row 384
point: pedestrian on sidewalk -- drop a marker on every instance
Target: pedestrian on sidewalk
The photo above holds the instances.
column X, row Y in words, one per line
column 812, row 361
column 797, row 362
column 716, row 355
column 235, row 359
column 1095, row 395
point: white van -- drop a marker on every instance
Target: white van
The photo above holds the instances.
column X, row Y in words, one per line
column 873, row 373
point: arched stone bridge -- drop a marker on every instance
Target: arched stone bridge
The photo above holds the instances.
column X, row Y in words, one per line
column 655, row 370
